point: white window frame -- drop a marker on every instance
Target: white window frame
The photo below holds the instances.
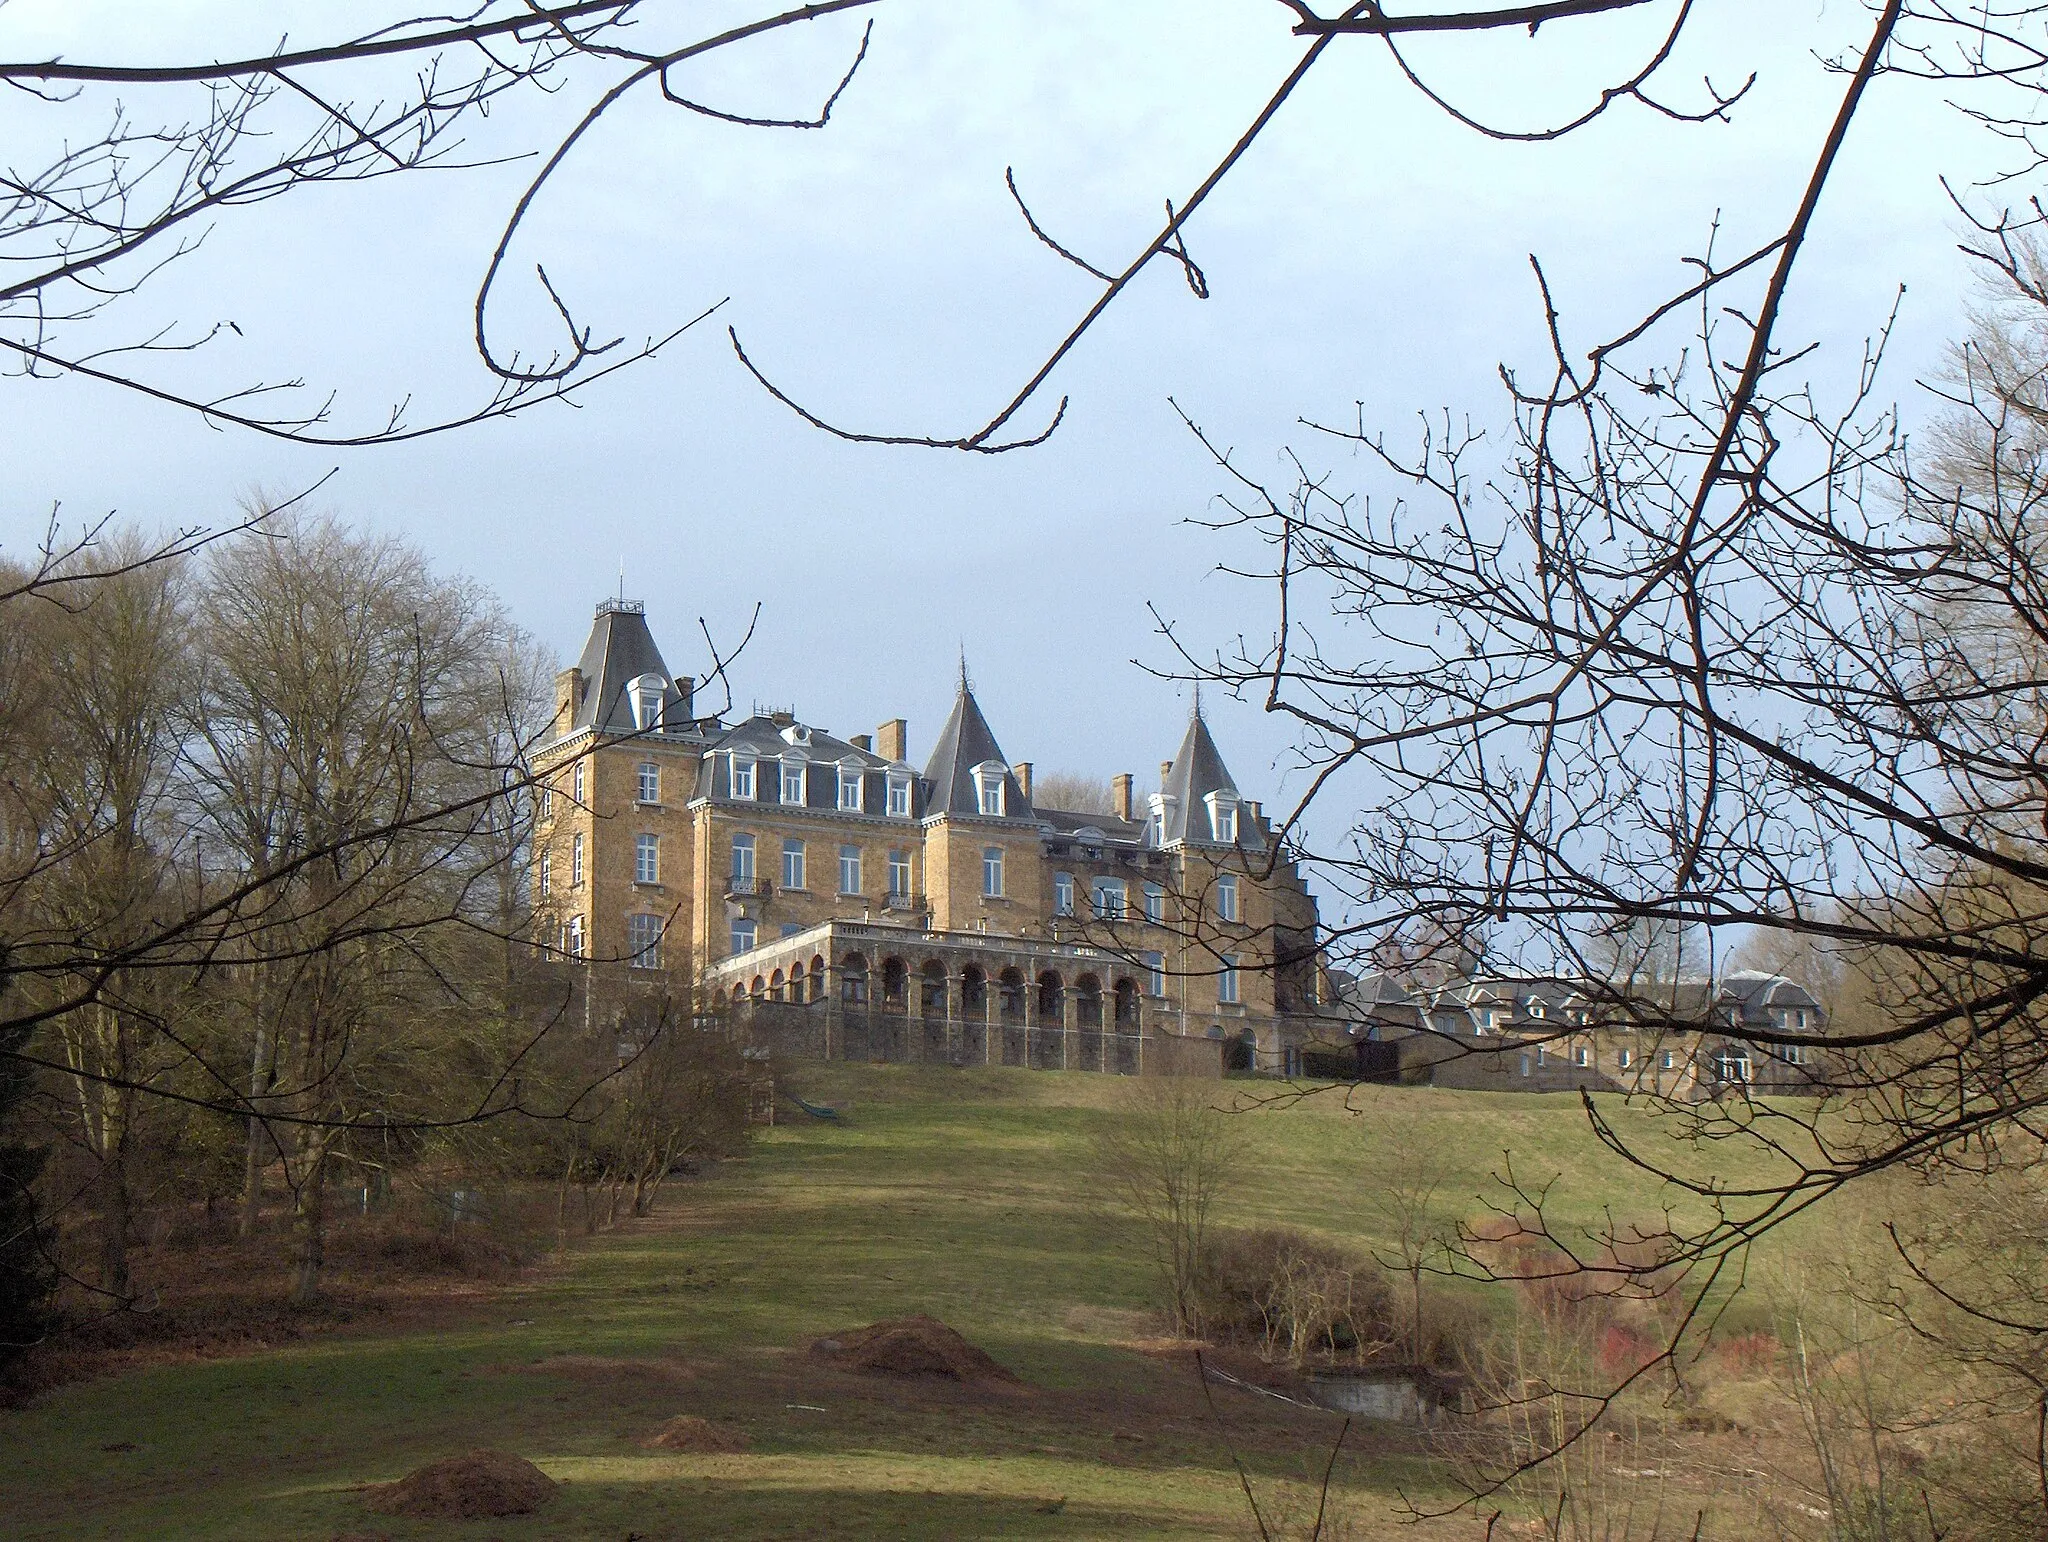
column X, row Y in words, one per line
column 852, row 790
column 1626, row 1058
column 743, row 927
column 643, row 951
column 576, row 783
column 1668, row 1060
column 1227, row 908
column 1155, row 973
column 991, row 872
column 794, row 858
column 1228, row 991
column 1733, row 1068
column 1155, row 903
column 800, row 782
column 740, row 776
column 547, row 873
column 1582, row 1057
column 899, row 863
column 647, row 695
column 547, row 802
column 1109, row 898
column 850, row 867
column 650, row 782
column 743, row 856
column 1222, row 817
column 574, row 939
column 1795, row 1054
column 989, row 796
column 646, row 858
column 899, row 796
column 1062, row 894
column 576, row 860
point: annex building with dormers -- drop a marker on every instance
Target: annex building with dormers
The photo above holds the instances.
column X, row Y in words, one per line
column 842, row 902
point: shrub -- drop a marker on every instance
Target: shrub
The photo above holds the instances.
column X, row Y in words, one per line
column 1293, row 1296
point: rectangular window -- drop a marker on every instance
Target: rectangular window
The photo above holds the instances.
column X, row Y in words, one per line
column 990, row 784
column 547, row 873
column 547, row 803
column 1155, row 974
column 1524, row 1064
column 1226, row 896
column 1222, row 818
column 792, row 864
column 899, row 872
column 1627, row 1058
column 643, row 941
column 1794, row 1054
column 1581, row 1056
column 1108, row 897
column 743, row 858
column 576, row 784
column 1155, row 905
column 849, row 870
column 789, row 929
column 742, row 935
column 992, row 872
column 650, row 782
column 1226, row 982
column 647, row 859
column 792, row 781
column 575, row 938
column 1667, row 1061
column 743, row 778
column 575, row 859
column 849, row 790
column 1062, row 894
column 899, row 797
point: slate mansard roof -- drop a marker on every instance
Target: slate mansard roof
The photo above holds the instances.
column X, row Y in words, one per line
column 770, row 740
column 620, row 651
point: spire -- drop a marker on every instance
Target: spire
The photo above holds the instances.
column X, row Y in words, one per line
column 964, row 743
column 1196, row 772
column 966, row 685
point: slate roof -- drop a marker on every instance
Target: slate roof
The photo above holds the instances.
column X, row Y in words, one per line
column 964, row 743
column 1066, row 825
column 619, row 651
column 1197, row 771
column 766, row 737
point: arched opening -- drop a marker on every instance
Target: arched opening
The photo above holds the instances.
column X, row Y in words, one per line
column 895, row 981
column 931, row 995
column 1088, row 1001
column 817, row 973
column 1052, row 998
column 1010, row 996
column 1126, row 1006
column 973, row 992
column 759, row 989
column 775, row 986
column 739, row 993
column 853, row 979
column 1049, row 1043
column 1242, row 1052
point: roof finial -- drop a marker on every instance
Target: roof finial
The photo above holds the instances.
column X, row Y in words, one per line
column 966, row 685
column 622, row 580
column 1196, row 715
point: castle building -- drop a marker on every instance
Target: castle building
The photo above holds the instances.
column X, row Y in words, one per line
column 850, row 904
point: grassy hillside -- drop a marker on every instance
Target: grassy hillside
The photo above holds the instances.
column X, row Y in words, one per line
column 968, row 1195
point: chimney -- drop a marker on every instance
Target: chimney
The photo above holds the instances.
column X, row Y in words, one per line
column 1165, row 770
column 862, row 742
column 687, row 689
column 891, row 739
column 1251, row 809
column 1120, row 795
column 1022, row 772
column 568, row 697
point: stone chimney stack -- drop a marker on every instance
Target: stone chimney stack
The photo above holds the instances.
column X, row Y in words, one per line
column 1165, row 770
column 1022, row 772
column 862, row 742
column 568, row 697
column 1120, row 795
column 892, row 738
column 687, row 689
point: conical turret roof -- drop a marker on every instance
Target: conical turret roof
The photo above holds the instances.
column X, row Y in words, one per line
column 964, row 743
column 1196, row 772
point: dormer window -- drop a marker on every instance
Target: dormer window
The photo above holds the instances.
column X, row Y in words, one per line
column 793, row 781
column 646, row 694
column 899, row 796
column 1222, row 816
column 1155, row 825
column 1535, row 1009
column 988, row 787
column 743, row 777
column 798, row 734
column 850, row 784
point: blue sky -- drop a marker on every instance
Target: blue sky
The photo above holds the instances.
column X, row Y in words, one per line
column 1369, row 250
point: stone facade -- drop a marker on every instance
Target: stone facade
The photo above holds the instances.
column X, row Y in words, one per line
column 857, row 904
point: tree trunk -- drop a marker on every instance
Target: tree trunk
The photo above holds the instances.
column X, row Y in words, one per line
column 309, row 1225
column 116, row 1219
column 256, row 1157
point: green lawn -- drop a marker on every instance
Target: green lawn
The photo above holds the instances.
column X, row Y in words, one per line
column 964, row 1194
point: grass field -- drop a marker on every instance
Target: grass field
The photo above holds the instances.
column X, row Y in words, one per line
column 967, row 1195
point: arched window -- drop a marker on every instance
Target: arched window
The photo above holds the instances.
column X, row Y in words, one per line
column 1010, row 1000
column 895, row 978
column 853, row 978
column 973, row 992
column 817, row 977
column 758, row 989
column 932, row 989
column 645, row 694
column 775, row 984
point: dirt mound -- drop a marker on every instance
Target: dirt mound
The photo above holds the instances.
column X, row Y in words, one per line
column 687, row 1432
column 909, row 1346
column 461, row 1488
